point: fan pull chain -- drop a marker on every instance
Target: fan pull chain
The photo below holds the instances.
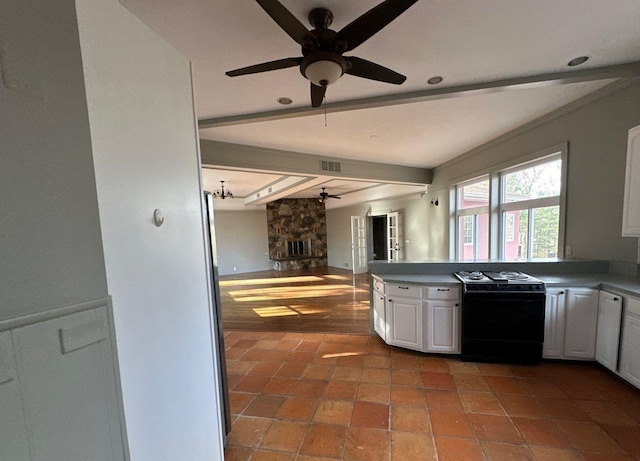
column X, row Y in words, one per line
column 325, row 110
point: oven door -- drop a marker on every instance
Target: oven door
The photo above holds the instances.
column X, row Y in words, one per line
column 502, row 326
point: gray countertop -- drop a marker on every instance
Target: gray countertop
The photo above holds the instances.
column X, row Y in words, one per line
column 618, row 283
column 427, row 279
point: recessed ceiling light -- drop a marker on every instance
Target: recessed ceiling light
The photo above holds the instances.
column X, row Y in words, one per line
column 434, row 80
column 285, row 101
column 578, row 61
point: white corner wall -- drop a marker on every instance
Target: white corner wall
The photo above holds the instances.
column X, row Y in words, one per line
column 143, row 133
column 50, row 245
column 417, row 229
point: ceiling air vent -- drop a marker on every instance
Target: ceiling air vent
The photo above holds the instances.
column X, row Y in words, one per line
column 333, row 167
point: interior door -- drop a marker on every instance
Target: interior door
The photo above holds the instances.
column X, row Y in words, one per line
column 394, row 236
column 359, row 244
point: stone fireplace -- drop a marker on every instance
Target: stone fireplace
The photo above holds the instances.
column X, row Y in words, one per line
column 297, row 230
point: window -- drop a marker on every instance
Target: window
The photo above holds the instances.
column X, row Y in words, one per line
column 467, row 230
column 513, row 213
column 531, row 199
column 509, row 227
column 472, row 212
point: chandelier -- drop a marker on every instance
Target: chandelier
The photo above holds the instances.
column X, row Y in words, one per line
column 221, row 193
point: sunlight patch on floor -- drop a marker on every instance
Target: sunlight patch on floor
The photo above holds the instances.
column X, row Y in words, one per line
column 284, row 311
column 268, row 294
column 337, row 277
column 271, row 281
column 341, row 354
column 274, row 311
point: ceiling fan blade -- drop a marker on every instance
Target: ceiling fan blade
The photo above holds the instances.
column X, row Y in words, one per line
column 372, row 22
column 317, row 95
column 367, row 69
column 334, row 196
column 287, row 21
column 265, row 67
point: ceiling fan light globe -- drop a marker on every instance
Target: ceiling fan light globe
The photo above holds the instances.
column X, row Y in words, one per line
column 323, row 72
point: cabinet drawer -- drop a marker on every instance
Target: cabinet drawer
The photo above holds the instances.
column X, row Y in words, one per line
column 633, row 306
column 442, row 293
column 378, row 285
column 404, row 291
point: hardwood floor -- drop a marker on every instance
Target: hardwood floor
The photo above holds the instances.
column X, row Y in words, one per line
column 326, row 300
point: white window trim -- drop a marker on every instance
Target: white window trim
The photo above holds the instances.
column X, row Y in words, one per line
column 475, row 211
column 532, row 204
column 495, row 208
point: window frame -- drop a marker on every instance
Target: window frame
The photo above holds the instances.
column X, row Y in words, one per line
column 472, row 212
column 496, row 208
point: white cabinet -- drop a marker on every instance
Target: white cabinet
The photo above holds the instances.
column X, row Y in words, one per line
column 441, row 327
column 13, row 430
column 379, row 315
column 423, row 318
column 378, row 311
column 629, row 356
column 554, row 320
column 571, row 316
column 580, row 323
column 631, row 208
column 58, row 391
column 608, row 330
column 404, row 316
column 441, row 331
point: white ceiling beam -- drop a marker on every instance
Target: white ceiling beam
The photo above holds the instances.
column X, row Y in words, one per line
column 628, row 70
column 279, row 189
column 217, row 154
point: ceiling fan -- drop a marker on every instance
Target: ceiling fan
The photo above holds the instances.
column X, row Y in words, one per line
column 322, row 62
column 324, row 195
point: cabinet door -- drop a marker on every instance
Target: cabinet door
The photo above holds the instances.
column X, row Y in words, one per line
column 66, row 373
column 631, row 207
column 629, row 356
column 581, row 321
column 441, row 330
column 554, row 321
column 379, row 317
column 13, row 433
column 608, row 330
column 404, row 317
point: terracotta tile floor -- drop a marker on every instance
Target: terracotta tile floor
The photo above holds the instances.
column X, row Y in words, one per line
column 311, row 396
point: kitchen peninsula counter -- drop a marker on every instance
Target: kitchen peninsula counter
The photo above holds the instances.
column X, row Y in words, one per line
column 557, row 273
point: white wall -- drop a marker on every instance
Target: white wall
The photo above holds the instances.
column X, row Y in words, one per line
column 146, row 157
column 417, row 229
column 241, row 241
column 50, row 244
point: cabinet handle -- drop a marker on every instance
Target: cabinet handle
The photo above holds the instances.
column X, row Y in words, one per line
column 615, row 299
column 404, row 288
column 561, row 292
column 444, row 289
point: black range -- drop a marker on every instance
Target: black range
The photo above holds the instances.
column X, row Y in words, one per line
column 502, row 317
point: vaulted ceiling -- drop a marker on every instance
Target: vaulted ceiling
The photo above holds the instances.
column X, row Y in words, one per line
column 503, row 63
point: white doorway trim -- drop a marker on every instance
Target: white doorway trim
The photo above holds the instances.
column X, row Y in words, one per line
column 359, row 244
